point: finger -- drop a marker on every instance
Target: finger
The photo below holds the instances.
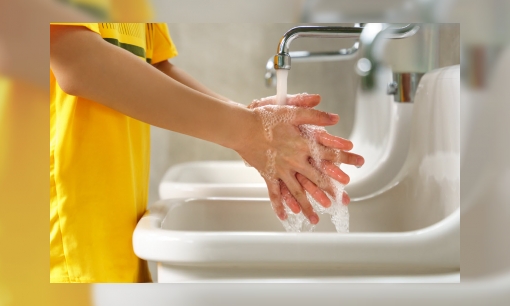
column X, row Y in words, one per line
column 345, row 198
column 289, row 199
column 313, row 190
column 331, row 141
column 334, row 172
column 299, row 194
column 300, row 100
column 304, row 100
column 339, row 156
column 273, row 189
column 316, row 175
column 350, row 159
column 314, row 117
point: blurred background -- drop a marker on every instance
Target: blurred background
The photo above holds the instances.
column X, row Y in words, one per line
column 485, row 169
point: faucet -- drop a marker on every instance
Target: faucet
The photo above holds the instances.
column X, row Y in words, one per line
column 282, row 59
column 305, row 56
column 367, row 65
column 369, row 36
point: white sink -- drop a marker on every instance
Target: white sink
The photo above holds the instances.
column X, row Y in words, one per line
column 216, row 239
column 381, row 134
column 408, row 225
column 212, row 178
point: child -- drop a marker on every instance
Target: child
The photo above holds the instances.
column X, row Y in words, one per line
column 108, row 83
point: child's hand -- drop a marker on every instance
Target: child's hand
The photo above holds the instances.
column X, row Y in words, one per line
column 287, row 166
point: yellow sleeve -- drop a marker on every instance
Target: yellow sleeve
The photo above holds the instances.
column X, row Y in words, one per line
column 164, row 47
column 94, row 27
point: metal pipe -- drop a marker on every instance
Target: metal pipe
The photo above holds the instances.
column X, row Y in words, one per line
column 404, row 86
column 282, row 59
column 305, row 56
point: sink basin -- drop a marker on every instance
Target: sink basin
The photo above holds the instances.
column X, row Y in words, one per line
column 215, row 239
column 212, row 178
column 209, row 229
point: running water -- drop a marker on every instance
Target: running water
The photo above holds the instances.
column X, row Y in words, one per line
column 338, row 211
column 281, row 86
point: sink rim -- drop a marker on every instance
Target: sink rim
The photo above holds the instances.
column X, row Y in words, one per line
column 164, row 204
column 435, row 246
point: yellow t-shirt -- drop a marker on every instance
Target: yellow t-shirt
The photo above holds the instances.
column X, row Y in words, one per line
column 99, row 172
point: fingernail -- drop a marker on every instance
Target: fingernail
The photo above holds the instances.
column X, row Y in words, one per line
column 326, row 202
column 333, row 117
column 314, row 219
column 360, row 162
column 350, row 146
column 296, row 209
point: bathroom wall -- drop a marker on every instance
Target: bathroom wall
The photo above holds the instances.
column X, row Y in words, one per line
column 230, row 59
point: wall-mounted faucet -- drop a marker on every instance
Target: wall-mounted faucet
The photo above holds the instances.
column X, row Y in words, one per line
column 282, row 60
column 370, row 57
column 367, row 65
column 305, row 56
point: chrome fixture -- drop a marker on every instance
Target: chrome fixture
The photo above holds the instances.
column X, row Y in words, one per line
column 369, row 60
column 404, row 86
column 368, row 34
column 305, row 56
column 282, row 58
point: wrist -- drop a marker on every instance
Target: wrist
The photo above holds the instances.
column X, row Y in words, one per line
column 244, row 129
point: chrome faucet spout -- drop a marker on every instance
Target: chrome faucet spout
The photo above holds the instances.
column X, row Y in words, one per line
column 306, row 56
column 282, row 59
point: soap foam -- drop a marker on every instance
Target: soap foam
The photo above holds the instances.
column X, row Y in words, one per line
column 272, row 115
column 339, row 213
column 270, row 172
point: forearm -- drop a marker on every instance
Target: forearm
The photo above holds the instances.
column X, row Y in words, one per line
column 182, row 77
column 121, row 81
